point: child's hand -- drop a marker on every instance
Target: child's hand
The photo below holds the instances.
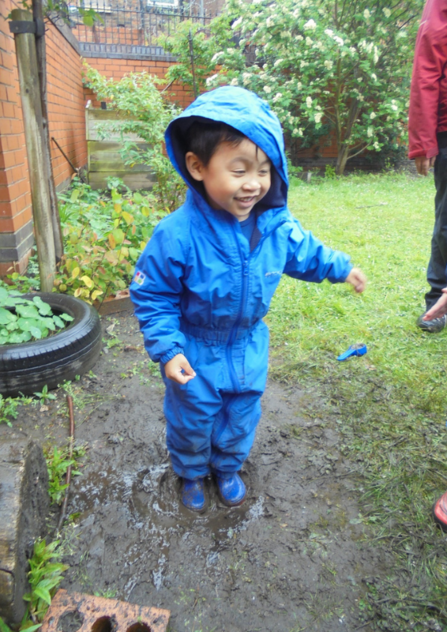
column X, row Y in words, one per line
column 179, row 370
column 357, row 279
column 439, row 308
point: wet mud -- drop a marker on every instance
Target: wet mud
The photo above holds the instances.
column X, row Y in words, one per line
column 293, row 557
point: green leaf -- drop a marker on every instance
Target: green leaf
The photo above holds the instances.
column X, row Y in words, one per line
column 16, row 337
column 66, row 317
column 3, row 297
column 118, row 235
column 27, row 311
column 43, row 594
column 58, row 321
column 25, row 324
column 44, row 308
column 6, row 316
column 36, row 332
column 3, row 626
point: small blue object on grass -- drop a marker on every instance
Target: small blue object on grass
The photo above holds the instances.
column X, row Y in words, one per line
column 354, row 350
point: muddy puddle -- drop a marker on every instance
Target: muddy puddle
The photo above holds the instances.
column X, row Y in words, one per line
column 294, row 557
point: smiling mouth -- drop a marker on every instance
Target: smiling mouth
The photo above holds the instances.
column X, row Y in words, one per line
column 246, row 199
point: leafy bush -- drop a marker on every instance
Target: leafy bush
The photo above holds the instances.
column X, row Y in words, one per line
column 22, row 320
column 322, row 65
column 103, row 236
column 137, row 96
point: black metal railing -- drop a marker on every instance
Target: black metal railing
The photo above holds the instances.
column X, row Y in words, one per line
column 132, row 23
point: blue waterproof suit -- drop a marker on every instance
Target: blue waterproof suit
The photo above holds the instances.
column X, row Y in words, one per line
column 202, row 290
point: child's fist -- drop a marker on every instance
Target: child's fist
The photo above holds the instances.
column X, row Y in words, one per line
column 179, row 370
column 357, row 279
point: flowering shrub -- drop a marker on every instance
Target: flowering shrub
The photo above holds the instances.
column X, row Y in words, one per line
column 325, row 64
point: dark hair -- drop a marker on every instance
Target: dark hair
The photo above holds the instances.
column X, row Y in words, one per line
column 204, row 138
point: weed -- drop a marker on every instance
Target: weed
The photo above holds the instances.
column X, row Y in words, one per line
column 45, row 575
column 9, row 408
column 58, row 462
column 44, row 395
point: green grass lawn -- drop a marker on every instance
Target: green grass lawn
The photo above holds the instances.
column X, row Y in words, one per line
column 391, row 402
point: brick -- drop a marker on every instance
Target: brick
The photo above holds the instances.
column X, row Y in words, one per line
column 98, row 613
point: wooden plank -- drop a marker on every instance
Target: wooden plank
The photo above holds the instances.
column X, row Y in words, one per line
column 33, row 124
column 106, row 156
column 97, row 120
column 135, row 181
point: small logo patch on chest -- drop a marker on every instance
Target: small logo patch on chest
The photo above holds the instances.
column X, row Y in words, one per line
column 139, row 278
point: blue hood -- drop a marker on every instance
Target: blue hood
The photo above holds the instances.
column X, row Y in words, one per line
column 251, row 116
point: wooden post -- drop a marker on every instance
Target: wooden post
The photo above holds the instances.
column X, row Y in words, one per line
column 42, row 70
column 32, row 118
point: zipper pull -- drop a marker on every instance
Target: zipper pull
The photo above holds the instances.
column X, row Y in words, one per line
column 245, row 267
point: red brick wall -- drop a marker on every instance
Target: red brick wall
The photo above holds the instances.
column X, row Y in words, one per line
column 66, row 105
column 67, row 125
column 117, row 68
column 15, row 197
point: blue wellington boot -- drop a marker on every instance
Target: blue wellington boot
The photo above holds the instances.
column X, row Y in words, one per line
column 193, row 494
column 231, row 490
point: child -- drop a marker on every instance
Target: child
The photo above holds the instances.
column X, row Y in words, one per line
column 207, row 276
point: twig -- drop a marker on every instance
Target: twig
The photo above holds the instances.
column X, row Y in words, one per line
column 68, row 477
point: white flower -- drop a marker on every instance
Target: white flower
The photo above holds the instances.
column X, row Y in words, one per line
column 387, row 12
column 269, row 22
column 309, row 42
column 338, row 40
column 372, row 116
column 376, row 55
column 299, row 85
column 236, row 23
column 285, row 34
column 277, row 62
column 318, row 117
column 217, row 55
column 303, row 64
column 246, row 78
column 267, row 89
column 366, row 14
column 211, row 80
column 374, row 76
column 299, row 38
column 277, row 97
column 310, row 25
column 394, row 107
column 370, row 132
column 234, row 82
column 309, row 102
column 328, row 64
column 329, row 32
column 376, row 145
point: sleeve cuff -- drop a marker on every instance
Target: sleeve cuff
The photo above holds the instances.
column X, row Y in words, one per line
column 170, row 354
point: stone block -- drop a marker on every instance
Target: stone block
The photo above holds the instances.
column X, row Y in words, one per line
column 24, row 505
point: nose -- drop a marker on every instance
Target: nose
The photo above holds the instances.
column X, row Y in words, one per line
column 251, row 184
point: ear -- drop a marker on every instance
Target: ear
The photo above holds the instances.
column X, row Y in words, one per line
column 195, row 166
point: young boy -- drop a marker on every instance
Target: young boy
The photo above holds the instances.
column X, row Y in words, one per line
column 207, row 276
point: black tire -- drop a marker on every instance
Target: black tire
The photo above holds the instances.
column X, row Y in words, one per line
column 27, row 367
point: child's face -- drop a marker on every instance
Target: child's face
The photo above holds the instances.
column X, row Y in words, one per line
column 235, row 179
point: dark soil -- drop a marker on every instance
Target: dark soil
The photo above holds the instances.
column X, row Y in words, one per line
column 294, row 557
